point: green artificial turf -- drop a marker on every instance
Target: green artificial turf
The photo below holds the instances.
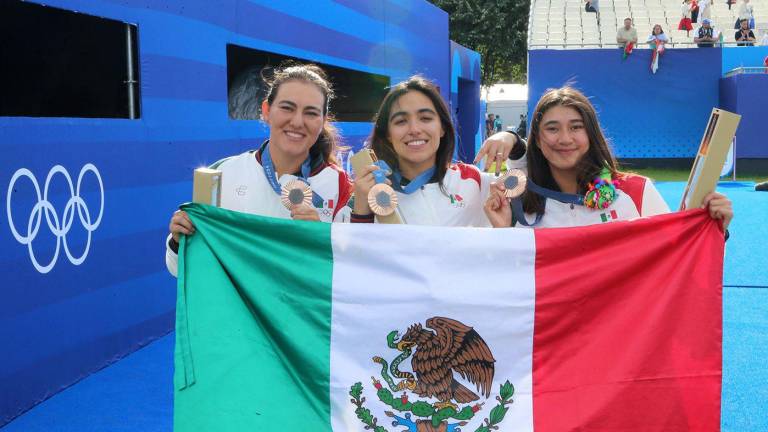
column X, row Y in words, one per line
column 663, row 174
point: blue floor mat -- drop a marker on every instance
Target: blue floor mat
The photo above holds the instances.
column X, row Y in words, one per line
column 746, row 255
column 135, row 394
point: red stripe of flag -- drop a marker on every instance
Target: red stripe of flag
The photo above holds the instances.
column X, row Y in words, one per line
column 628, row 326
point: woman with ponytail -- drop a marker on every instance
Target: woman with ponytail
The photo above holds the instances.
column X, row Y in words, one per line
column 302, row 145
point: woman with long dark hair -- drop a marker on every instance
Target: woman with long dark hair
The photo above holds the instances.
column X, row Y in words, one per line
column 569, row 158
column 414, row 134
column 302, row 145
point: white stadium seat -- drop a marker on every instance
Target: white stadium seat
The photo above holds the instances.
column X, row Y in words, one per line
column 565, row 21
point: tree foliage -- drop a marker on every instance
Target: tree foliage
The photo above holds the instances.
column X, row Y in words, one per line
column 497, row 29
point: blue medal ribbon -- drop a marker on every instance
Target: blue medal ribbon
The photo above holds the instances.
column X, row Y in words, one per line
column 517, row 203
column 380, row 175
column 269, row 172
column 415, row 184
column 556, row 195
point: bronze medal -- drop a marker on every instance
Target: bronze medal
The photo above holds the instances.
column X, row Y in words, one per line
column 295, row 193
column 514, row 182
column 382, row 199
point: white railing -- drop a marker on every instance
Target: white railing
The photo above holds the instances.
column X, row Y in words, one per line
column 746, row 70
column 640, row 45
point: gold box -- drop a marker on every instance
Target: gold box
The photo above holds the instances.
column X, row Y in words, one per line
column 361, row 159
column 710, row 158
column 206, row 187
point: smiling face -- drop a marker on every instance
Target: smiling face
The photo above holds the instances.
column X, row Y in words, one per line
column 563, row 138
column 414, row 129
column 656, row 29
column 295, row 118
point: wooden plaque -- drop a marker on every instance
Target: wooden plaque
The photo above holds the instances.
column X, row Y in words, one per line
column 710, row 158
column 206, row 187
column 361, row 159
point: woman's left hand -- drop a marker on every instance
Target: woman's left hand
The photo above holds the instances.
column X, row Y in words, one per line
column 719, row 206
column 304, row 212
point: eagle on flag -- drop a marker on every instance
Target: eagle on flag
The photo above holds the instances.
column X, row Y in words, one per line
column 452, row 346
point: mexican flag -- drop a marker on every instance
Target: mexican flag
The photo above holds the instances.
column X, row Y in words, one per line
column 627, row 50
column 656, row 52
column 304, row 326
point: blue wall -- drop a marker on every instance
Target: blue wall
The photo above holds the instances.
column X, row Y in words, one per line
column 746, row 95
column 734, row 57
column 645, row 115
column 59, row 326
column 465, row 104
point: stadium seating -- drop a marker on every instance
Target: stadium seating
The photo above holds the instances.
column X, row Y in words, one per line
column 564, row 24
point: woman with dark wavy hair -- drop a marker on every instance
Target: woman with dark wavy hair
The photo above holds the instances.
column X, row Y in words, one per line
column 414, row 134
column 302, row 145
column 569, row 158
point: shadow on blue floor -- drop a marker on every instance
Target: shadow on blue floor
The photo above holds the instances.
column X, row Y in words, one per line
column 136, row 394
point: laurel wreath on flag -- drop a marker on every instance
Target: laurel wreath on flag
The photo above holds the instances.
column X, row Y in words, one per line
column 425, row 409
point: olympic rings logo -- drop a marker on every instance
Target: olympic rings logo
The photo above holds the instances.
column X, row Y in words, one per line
column 59, row 226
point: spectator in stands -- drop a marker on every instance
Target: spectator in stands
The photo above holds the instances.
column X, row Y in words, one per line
column 657, row 35
column 497, row 124
column 706, row 35
column 694, row 11
column 745, row 13
column 764, row 41
column 744, row 35
column 685, row 20
column 593, row 6
column 626, row 34
column 705, row 9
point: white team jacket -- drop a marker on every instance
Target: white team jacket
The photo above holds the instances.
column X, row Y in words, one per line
column 245, row 188
column 637, row 197
column 459, row 204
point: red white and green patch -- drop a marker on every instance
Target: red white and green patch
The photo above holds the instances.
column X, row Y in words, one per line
column 608, row 216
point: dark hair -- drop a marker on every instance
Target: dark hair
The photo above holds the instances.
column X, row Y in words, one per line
column 660, row 28
column 379, row 141
column 598, row 155
column 328, row 142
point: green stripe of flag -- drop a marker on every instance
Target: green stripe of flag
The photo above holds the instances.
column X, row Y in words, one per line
column 250, row 357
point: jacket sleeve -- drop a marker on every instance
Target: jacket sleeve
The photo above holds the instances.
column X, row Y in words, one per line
column 171, row 257
column 653, row 203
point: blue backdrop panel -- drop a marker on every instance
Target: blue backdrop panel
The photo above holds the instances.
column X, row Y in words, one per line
column 96, row 228
column 465, row 101
column 734, row 57
column 746, row 95
column 644, row 115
